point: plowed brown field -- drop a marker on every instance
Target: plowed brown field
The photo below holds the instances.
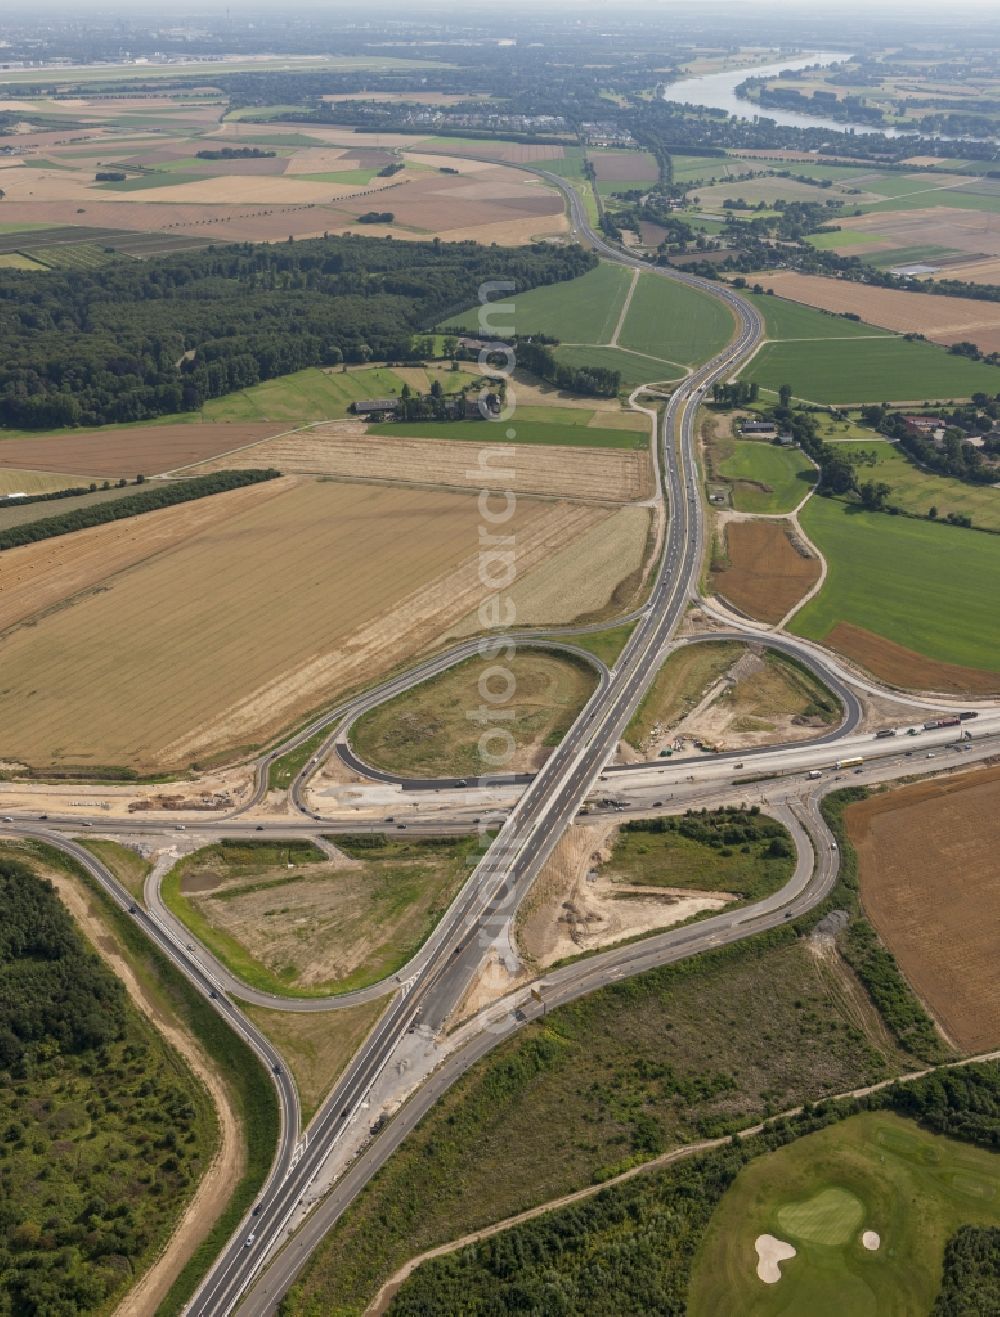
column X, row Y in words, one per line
column 941, row 319
column 931, row 886
column 344, row 449
column 225, row 638
column 134, row 450
column 766, row 576
column 903, row 667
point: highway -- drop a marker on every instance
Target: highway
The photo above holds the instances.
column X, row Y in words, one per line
column 478, row 920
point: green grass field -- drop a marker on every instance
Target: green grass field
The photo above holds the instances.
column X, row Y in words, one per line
column 928, row 587
column 842, row 238
column 792, row 320
column 692, row 169
column 525, row 432
column 869, row 370
column 314, row 394
column 583, row 310
column 17, row 261
column 669, row 320
column 873, row 1172
column 634, row 367
column 785, row 471
column 917, row 490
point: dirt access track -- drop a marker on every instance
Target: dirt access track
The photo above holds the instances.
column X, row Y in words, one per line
column 942, row 319
column 930, row 884
column 343, row 448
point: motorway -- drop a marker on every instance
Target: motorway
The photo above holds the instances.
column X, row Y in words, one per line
column 429, row 988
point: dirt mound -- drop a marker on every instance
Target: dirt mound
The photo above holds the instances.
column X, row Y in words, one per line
column 894, row 663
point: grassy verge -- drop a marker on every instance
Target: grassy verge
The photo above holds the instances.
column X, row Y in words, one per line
column 607, row 645
column 250, row 1090
column 284, row 770
column 317, row 1045
column 129, row 868
column 766, row 478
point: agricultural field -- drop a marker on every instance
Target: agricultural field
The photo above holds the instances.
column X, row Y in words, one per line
column 557, row 433
column 912, row 601
column 869, row 370
column 784, row 320
column 325, row 602
column 874, row 1172
column 289, row 919
column 127, row 450
column 685, row 1052
column 649, row 328
column 311, row 183
column 321, row 393
column 765, row 478
column 761, row 570
column 344, row 449
column 917, row 490
column 14, row 480
column 941, row 319
column 428, row 732
column 623, row 171
column 927, row 865
column 887, row 236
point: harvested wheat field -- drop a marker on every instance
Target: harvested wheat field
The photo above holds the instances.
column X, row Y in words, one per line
column 941, row 319
column 931, row 886
column 342, row 448
column 130, row 451
column 903, row 667
column 973, row 231
column 38, row 578
column 224, row 639
column 18, row 481
column 766, row 575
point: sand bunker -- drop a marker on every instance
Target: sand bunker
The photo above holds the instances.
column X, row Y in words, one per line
column 770, row 1252
column 871, row 1241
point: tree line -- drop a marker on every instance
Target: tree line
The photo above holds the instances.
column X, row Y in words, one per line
column 161, row 495
column 134, row 341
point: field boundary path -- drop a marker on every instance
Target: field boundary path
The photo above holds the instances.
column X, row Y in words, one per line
column 613, row 341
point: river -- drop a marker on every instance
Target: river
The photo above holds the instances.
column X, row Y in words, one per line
column 718, row 92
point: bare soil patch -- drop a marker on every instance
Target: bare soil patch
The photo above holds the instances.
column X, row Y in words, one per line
column 343, row 448
column 131, row 451
column 941, row 319
column 766, row 575
column 930, row 884
column 903, row 667
column 574, row 906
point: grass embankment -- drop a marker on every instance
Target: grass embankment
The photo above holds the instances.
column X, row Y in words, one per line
column 284, row 770
column 918, row 491
column 607, row 645
column 765, row 478
column 127, row 866
column 317, row 1045
column 819, row 1194
column 930, row 588
column 432, row 730
column 249, row 1089
column 288, row 920
column 687, row 1051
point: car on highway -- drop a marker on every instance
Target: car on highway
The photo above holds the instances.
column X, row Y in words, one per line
column 248, row 1243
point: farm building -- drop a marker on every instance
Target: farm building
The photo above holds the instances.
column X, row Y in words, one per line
column 375, row 408
column 758, row 427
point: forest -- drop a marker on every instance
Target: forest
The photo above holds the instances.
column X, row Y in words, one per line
column 161, row 495
column 134, row 341
column 971, row 1283
column 103, row 1130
